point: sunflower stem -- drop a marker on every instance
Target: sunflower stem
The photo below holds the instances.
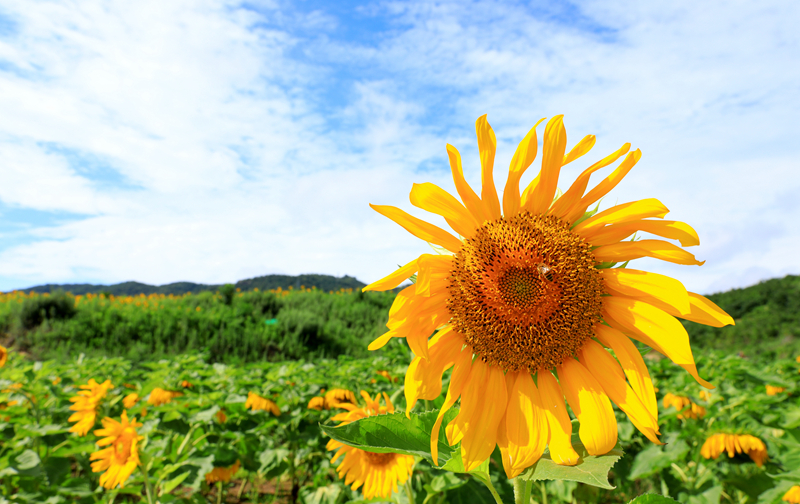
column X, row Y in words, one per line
column 409, row 491
column 147, row 488
column 522, row 491
column 487, row 480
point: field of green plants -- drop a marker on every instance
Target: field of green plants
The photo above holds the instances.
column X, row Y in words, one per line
column 205, row 438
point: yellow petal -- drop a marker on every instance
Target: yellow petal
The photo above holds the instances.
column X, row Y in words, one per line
column 523, row 157
column 584, row 146
column 632, row 363
column 610, row 182
column 704, row 311
column 653, row 327
column 380, row 341
column 658, row 290
column 635, row 210
column 674, row 230
column 657, row 249
column 461, row 374
column 598, row 430
column 394, row 279
column 436, row 200
column 605, row 369
column 558, row 422
column 424, row 376
column 431, row 267
column 468, row 196
column 567, row 207
column 419, row 228
column 480, row 423
column 553, row 147
column 525, row 426
column 487, row 145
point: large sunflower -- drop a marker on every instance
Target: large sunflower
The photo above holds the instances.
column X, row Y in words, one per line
column 527, row 299
column 379, row 473
column 120, row 459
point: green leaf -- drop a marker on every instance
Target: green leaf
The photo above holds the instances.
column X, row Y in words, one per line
column 28, row 463
column 656, row 458
column 651, row 499
column 174, row 482
column 592, row 470
column 395, row 433
column 204, row 416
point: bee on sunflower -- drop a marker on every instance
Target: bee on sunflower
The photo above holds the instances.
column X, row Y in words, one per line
column 529, row 297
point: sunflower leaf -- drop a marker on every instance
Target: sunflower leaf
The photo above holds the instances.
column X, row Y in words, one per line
column 395, row 433
column 592, row 470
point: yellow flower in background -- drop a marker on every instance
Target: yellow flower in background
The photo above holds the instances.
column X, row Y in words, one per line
column 318, row 403
column 221, row 416
column 733, row 444
column 379, row 473
column 159, row 396
column 130, row 400
column 336, row 396
column 85, row 406
column 56, row 380
column 705, row 395
column 121, row 458
column 256, row 403
column 3, row 355
column 223, row 474
column 793, row 495
column 686, row 408
column 774, row 390
column 186, row 384
column 524, row 288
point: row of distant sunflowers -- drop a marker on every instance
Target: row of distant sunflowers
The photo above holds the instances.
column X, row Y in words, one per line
column 172, row 429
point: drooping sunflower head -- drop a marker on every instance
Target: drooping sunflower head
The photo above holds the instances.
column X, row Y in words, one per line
column 529, row 296
column 159, row 396
column 257, row 403
column 734, row 444
column 222, row 474
column 121, row 456
column 379, row 473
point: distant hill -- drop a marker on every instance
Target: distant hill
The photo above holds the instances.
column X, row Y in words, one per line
column 268, row 282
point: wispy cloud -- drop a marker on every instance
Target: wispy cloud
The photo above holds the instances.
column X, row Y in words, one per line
column 212, row 141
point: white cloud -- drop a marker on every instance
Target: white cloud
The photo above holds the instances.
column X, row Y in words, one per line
column 249, row 141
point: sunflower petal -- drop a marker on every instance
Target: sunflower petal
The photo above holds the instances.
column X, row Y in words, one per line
column 658, row 290
column 553, row 147
column 625, row 212
column 653, row 327
column 479, row 425
column 632, row 363
column 487, row 145
column 605, row 369
column 434, row 199
column 581, row 148
column 431, row 268
column 568, row 207
column 674, row 230
column 468, row 196
column 419, row 228
column 393, row 279
column 525, row 426
column 610, row 182
column 424, row 376
column 657, row 249
column 523, row 157
column 704, row 311
column 589, row 402
column 558, row 422
column 461, row 373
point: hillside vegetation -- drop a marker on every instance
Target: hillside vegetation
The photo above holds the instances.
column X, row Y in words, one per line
column 237, row 326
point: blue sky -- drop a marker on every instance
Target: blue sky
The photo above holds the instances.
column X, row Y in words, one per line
column 214, row 141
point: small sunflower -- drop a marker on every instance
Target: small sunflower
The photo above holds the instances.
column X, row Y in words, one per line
column 793, row 495
column 130, row 400
column 336, row 396
column 121, row 458
column 527, row 288
column 222, row 474
column 379, row 473
column 255, row 402
column 774, row 390
column 159, row 396
column 685, row 406
column 318, row 403
column 733, row 444
column 85, row 406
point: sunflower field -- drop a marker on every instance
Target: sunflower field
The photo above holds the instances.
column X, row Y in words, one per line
column 211, row 432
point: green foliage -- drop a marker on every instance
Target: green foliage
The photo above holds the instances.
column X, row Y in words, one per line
column 231, row 326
